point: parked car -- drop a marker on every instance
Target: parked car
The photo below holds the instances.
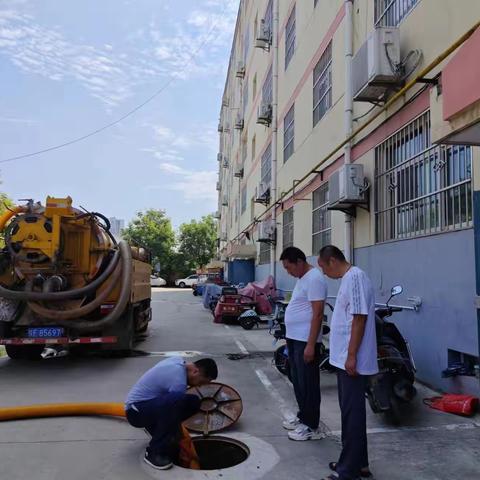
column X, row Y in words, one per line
column 187, row 282
column 157, row 281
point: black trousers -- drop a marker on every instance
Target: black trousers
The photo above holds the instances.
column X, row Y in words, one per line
column 306, row 382
column 162, row 418
column 351, row 396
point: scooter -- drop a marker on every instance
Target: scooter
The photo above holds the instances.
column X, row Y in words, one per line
column 250, row 318
column 394, row 384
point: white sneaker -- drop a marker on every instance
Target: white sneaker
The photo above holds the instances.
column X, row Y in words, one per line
column 302, row 433
column 291, row 423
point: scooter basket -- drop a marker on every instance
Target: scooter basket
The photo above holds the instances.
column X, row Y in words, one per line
column 465, row 405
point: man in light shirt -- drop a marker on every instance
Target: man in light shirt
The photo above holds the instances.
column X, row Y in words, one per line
column 353, row 350
column 303, row 321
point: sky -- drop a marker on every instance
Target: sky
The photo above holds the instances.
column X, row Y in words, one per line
column 68, row 68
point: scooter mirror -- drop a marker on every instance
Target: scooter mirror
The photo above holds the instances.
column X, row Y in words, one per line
column 397, row 290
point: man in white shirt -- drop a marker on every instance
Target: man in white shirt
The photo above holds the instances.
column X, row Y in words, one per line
column 353, row 350
column 303, row 321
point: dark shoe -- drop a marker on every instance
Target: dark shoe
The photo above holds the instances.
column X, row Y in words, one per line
column 158, row 461
column 364, row 472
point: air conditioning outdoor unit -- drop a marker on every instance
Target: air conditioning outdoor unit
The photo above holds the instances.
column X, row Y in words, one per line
column 266, row 231
column 219, row 157
column 224, row 102
column 264, row 36
column 239, row 122
column 225, row 201
column 220, row 127
column 238, row 173
column 374, row 65
column 226, row 127
column 217, row 214
column 264, row 114
column 219, row 186
column 346, row 187
column 262, row 193
column 225, row 162
column 240, row 70
column 223, row 237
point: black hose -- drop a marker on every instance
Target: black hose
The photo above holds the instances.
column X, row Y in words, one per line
column 67, row 294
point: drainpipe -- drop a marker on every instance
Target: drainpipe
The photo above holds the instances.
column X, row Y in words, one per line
column 348, row 115
column 273, row 250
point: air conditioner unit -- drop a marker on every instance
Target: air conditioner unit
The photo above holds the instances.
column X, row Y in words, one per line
column 346, row 186
column 225, row 201
column 238, row 173
column 262, row 193
column 264, row 114
column 226, row 127
column 220, row 127
column 223, row 237
column 225, row 162
column 217, row 214
column 266, row 231
column 219, row 157
column 239, row 122
column 264, row 36
column 373, row 66
column 224, row 102
column 219, row 186
column 240, row 70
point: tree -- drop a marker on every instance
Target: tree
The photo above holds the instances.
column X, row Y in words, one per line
column 153, row 229
column 197, row 241
column 5, row 203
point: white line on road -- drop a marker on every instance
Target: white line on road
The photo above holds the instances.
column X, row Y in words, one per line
column 226, row 326
column 241, row 346
column 275, row 394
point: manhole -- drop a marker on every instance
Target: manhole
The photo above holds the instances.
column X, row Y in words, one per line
column 215, row 452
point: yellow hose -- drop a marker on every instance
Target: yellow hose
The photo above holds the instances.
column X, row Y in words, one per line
column 62, row 410
column 8, row 214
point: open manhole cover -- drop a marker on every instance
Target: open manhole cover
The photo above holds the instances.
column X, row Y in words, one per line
column 220, row 452
column 220, row 407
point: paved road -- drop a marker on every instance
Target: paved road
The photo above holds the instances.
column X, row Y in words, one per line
column 430, row 445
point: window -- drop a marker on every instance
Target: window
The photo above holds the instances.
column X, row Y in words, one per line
column 288, row 228
column 322, row 85
column 288, row 133
column 246, row 43
column 254, row 87
column 269, row 16
column 315, row 3
column 264, row 256
column 244, row 199
column 421, row 189
column 321, row 219
column 254, row 145
column 266, row 169
column 252, row 209
column 290, row 38
column 389, row 13
column 245, row 98
column 255, row 27
column 267, row 92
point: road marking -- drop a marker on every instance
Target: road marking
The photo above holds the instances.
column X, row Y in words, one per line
column 226, row 326
column 275, row 394
column 241, row 346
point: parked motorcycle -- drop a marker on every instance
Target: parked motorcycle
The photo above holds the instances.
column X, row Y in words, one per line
column 394, row 384
column 280, row 355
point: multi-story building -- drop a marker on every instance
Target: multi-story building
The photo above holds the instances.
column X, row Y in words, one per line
column 116, row 226
column 400, row 196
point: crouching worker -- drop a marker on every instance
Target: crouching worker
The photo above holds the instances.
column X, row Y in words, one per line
column 159, row 404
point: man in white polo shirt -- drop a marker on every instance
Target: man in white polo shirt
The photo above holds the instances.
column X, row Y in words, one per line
column 353, row 350
column 303, row 321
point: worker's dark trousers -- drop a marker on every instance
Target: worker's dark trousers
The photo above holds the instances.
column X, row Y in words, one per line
column 306, row 382
column 162, row 418
column 351, row 396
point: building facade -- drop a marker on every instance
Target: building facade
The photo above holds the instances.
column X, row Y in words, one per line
column 399, row 196
column 116, row 226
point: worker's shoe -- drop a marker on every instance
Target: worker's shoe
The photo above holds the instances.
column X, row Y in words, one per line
column 291, row 423
column 302, row 432
column 158, row 461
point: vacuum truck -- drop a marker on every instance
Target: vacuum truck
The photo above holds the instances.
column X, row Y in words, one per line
column 65, row 280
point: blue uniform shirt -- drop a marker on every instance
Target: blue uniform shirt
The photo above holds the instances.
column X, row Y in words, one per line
column 167, row 376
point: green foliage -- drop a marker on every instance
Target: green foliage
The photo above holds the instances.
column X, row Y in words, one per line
column 197, row 241
column 194, row 246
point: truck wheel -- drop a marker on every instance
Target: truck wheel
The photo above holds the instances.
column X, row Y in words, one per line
column 20, row 352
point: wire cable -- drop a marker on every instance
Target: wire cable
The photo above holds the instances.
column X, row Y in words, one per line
column 192, row 56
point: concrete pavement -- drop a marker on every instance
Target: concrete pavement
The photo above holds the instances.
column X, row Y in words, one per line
column 429, row 446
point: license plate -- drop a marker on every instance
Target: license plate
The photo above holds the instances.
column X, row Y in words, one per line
column 45, row 332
